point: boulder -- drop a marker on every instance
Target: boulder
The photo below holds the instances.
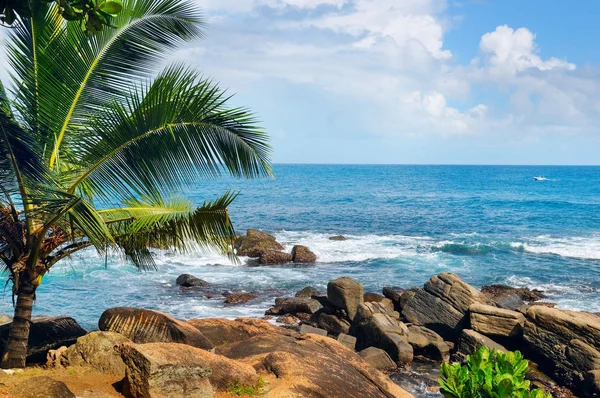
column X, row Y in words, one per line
column 420, row 337
column 568, row 343
column 147, row 326
column 288, row 319
column 347, row 340
column 187, row 280
column 377, row 358
column 338, row 238
column 161, row 370
column 394, row 294
column 41, row 386
column 307, row 292
column 470, row 341
column 272, row 257
column 255, row 243
column 378, row 298
column 222, row 331
column 307, row 365
column 333, row 324
column 372, row 320
column 493, row 321
column 302, row 254
column 55, row 359
column 98, row 350
column 239, row 298
column 442, row 304
column 46, row 334
column 313, row 330
column 345, row 294
column 397, row 348
column 294, row 305
column 501, row 293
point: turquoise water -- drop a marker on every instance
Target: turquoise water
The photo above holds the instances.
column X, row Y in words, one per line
column 404, row 223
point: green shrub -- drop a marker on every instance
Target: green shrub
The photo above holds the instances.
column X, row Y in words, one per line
column 488, row 375
column 238, row 389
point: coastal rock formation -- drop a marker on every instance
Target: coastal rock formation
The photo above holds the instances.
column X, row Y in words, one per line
column 333, row 324
column 302, row 254
column 307, row 292
column 494, row 321
column 569, row 344
column 500, row 292
column 345, row 294
column 239, row 298
column 274, row 257
column 147, row 326
column 294, row 305
column 222, row 331
column 338, row 238
column 394, row 294
column 187, row 280
column 256, row 243
column 159, row 370
column 470, row 341
column 46, row 334
column 42, row 386
column 442, row 304
column 377, row 358
column 97, row 350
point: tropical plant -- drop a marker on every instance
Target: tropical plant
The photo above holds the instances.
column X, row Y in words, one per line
column 488, row 374
column 94, row 141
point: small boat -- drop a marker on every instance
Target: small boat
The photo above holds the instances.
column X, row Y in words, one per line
column 540, row 178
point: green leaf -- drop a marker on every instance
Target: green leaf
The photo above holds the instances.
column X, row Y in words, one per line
column 111, row 7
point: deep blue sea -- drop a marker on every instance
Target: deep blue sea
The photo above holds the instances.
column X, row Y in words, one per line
column 488, row 224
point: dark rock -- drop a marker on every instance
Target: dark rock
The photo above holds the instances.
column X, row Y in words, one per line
column 147, row 326
column 378, row 358
column 294, row 305
column 239, row 298
column 41, row 386
column 97, row 350
column 308, row 292
column 346, row 294
column 302, row 254
column 428, row 343
column 288, row 319
column 394, row 294
column 255, row 243
column 312, row 330
column 347, row 340
column 338, row 238
column 371, row 321
column 499, row 293
column 333, row 324
column 46, row 334
column 187, row 280
column 272, row 257
column 303, row 316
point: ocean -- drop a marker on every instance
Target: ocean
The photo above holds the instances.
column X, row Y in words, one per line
column 488, row 224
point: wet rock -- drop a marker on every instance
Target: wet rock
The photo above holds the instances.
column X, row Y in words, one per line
column 307, row 292
column 442, row 304
column 158, row 370
column 41, row 386
column 333, row 324
column 493, row 321
column 272, row 257
column 256, row 243
column 46, row 333
column 147, row 326
column 338, row 238
column 239, row 298
column 347, row 340
column 187, row 280
column 345, row 294
column 378, row 358
column 499, row 293
column 99, row 351
column 302, row 254
column 294, row 305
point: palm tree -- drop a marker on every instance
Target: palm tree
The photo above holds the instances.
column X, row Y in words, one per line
column 94, row 141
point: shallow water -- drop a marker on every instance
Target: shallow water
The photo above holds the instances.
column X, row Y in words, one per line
column 404, row 224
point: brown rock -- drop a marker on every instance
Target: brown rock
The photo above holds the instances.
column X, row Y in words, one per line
column 255, row 243
column 338, row 238
column 239, row 298
column 187, row 280
column 272, row 257
column 397, row 347
column 470, row 341
column 312, row 330
column 222, row 331
column 372, row 321
column 302, row 254
column 347, row 340
column 307, row 292
column 288, row 319
column 378, row 358
column 420, row 337
column 147, row 326
column 378, row 298
column 55, row 359
column 161, row 370
column 41, row 386
column 98, row 350
column 500, row 292
column 333, row 324
column 493, row 321
column 345, row 294
column 295, row 305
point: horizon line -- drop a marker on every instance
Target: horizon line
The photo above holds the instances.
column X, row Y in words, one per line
column 436, row 164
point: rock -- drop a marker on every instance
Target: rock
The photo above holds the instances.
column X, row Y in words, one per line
column 397, row 347
column 394, row 294
column 470, row 341
column 272, row 257
column 592, row 383
column 46, row 334
column 160, row 370
column 222, row 331
column 377, row 358
column 312, row 330
column 307, row 365
column 255, row 243
column 239, row 298
column 442, row 304
column 420, row 337
column 4, row 319
column 303, row 316
column 372, row 321
column 437, row 351
column 378, row 298
column 307, row 292
column 568, row 343
column 55, row 359
column 41, row 386
column 294, row 305
column 338, row 238
column 302, row 254
column 500, row 293
column 147, row 326
column 493, row 321
column 333, row 324
column 187, row 280
column 98, row 350
column 347, row 340
column 288, row 319
column 346, row 294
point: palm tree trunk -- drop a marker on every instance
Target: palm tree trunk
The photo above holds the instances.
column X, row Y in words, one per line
column 15, row 353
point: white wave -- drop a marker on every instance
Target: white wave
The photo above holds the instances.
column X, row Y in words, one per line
column 573, row 247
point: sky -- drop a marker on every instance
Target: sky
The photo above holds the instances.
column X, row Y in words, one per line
column 411, row 81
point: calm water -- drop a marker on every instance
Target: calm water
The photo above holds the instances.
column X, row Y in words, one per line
column 404, row 224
